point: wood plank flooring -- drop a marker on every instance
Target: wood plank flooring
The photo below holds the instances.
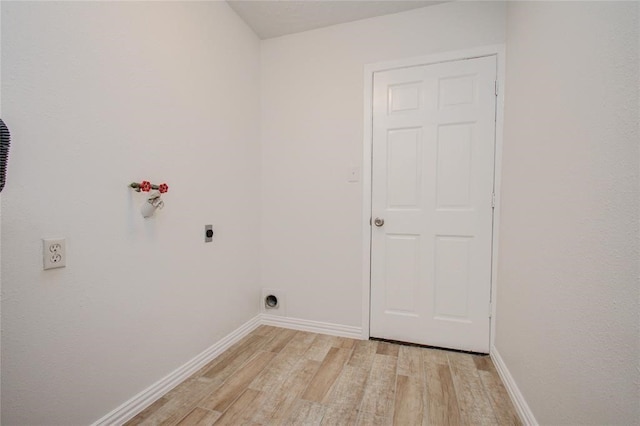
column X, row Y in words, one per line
column 277, row 376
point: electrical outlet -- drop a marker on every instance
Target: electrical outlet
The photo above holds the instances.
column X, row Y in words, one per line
column 54, row 253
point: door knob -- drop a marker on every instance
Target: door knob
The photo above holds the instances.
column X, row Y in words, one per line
column 378, row 222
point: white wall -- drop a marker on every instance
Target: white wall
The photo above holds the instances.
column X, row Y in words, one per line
column 98, row 95
column 312, row 115
column 567, row 319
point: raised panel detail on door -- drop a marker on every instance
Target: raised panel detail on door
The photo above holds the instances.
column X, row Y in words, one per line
column 458, row 90
column 451, row 297
column 403, row 166
column 402, row 274
column 404, row 97
column 432, row 183
column 454, row 165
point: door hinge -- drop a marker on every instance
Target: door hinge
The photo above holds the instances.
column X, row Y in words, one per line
column 496, row 87
column 493, row 200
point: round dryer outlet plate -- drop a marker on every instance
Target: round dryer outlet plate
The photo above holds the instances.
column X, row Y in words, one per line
column 271, row 302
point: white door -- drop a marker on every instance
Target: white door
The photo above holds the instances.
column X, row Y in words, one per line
column 432, row 196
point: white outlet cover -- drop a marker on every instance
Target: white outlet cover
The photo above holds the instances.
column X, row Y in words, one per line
column 54, row 253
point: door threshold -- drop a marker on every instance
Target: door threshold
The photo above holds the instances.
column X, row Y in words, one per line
column 398, row 342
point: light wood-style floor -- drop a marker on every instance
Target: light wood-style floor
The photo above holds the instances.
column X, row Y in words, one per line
column 279, row 376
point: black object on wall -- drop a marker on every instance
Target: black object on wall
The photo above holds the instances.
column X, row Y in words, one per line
column 5, row 138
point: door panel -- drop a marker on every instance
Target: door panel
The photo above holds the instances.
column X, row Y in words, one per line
column 451, row 278
column 402, row 275
column 433, row 154
column 403, row 168
column 453, row 176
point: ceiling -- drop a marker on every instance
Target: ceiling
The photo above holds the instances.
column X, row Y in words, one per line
column 273, row 18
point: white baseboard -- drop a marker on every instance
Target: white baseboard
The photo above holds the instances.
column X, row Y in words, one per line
column 148, row 396
column 525, row 413
column 312, row 326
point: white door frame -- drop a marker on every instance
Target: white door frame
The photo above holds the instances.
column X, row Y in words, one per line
column 367, row 152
